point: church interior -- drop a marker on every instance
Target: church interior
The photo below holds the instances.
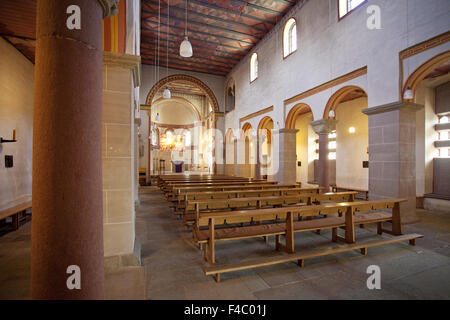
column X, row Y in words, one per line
column 224, row 150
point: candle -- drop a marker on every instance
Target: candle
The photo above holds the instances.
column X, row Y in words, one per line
column 14, row 134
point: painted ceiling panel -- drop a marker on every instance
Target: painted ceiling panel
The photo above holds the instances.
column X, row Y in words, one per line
column 222, row 32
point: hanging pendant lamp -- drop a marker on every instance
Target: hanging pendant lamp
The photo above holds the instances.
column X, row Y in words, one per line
column 186, row 47
column 167, row 94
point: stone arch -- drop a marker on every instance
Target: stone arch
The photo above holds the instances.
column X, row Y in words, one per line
column 296, row 111
column 423, row 70
column 184, row 78
column 263, row 125
column 184, row 100
column 337, row 97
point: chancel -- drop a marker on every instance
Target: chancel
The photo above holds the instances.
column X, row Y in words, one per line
column 233, row 150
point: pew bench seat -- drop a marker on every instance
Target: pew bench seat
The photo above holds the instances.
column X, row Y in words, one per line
column 300, row 257
column 274, row 229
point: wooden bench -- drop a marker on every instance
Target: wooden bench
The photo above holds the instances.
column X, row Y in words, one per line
column 365, row 192
column 169, row 189
column 178, row 194
column 198, row 206
column 275, row 191
column 14, row 212
column 353, row 215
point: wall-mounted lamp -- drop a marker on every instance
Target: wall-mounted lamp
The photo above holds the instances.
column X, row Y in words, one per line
column 409, row 94
column 351, row 130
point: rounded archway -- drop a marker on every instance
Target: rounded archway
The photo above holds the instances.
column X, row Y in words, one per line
column 247, row 157
column 424, row 70
column 294, row 113
column 348, row 144
column 343, row 94
column 186, row 79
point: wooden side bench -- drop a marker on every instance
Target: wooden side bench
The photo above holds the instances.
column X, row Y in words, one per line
column 352, row 217
column 14, row 212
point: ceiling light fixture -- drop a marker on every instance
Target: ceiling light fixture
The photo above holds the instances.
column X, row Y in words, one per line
column 167, row 94
column 186, row 47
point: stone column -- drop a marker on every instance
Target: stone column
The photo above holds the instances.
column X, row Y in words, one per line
column 67, row 228
column 286, row 173
column 258, row 165
column 323, row 128
column 392, row 155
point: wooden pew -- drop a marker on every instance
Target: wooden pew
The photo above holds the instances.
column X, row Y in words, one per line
column 178, row 193
column 168, row 189
column 14, row 212
column 198, row 206
column 354, row 214
column 275, row 191
column 365, row 192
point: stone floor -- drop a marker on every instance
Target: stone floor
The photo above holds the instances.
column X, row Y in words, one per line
column 173, row 264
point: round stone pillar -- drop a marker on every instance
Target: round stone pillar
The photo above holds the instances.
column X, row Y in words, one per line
column 323, row 128
column 67, row 227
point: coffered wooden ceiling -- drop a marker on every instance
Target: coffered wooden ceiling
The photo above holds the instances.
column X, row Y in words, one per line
column 222, row 32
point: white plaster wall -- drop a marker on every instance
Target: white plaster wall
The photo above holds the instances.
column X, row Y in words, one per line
column 328, row 49
column 303, row 154
column 351, row 148
column 16, row 112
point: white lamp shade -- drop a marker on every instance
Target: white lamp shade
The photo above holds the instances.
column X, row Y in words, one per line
column 331, row 114
column 409, row 94
column 186, row 48
column 167, row 94
column 157, row 117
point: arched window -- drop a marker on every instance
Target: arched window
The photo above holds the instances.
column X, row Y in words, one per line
column 347, row 6
column 253, row 67
column 289, row 37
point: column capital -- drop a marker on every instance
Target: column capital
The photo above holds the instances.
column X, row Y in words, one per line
column 324, row 126
column 109, row 7
column 400, row 105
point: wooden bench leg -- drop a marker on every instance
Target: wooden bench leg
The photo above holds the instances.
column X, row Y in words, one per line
column 412, row 242
column 361, row 226
column 290, row 233
column 15, row 221
column 277, row 242
column 364, row 251
column 334, row 235
column 380, row 228
column 266, row 239
column 349, row 226
column 211, row 251
column 301, row 263
column 217, row 277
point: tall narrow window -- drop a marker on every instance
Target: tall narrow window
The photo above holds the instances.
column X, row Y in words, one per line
column 289, row 37
column 253, row 67
column 346, row 6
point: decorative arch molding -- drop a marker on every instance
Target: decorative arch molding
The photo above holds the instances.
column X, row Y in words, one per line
column 297, row 110
column 263, row 125
column 184, row 78
column 229, row 136
column 423, row 70
column 184, row 100
column 247, row 130
column 337, row 97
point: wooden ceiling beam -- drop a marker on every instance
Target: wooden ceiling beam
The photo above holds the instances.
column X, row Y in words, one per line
column 150, row 53
column 198, row 39
column 199, row 32
column 198, row 53
column 257, row 7
column 206, row 16
column 238, row 13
